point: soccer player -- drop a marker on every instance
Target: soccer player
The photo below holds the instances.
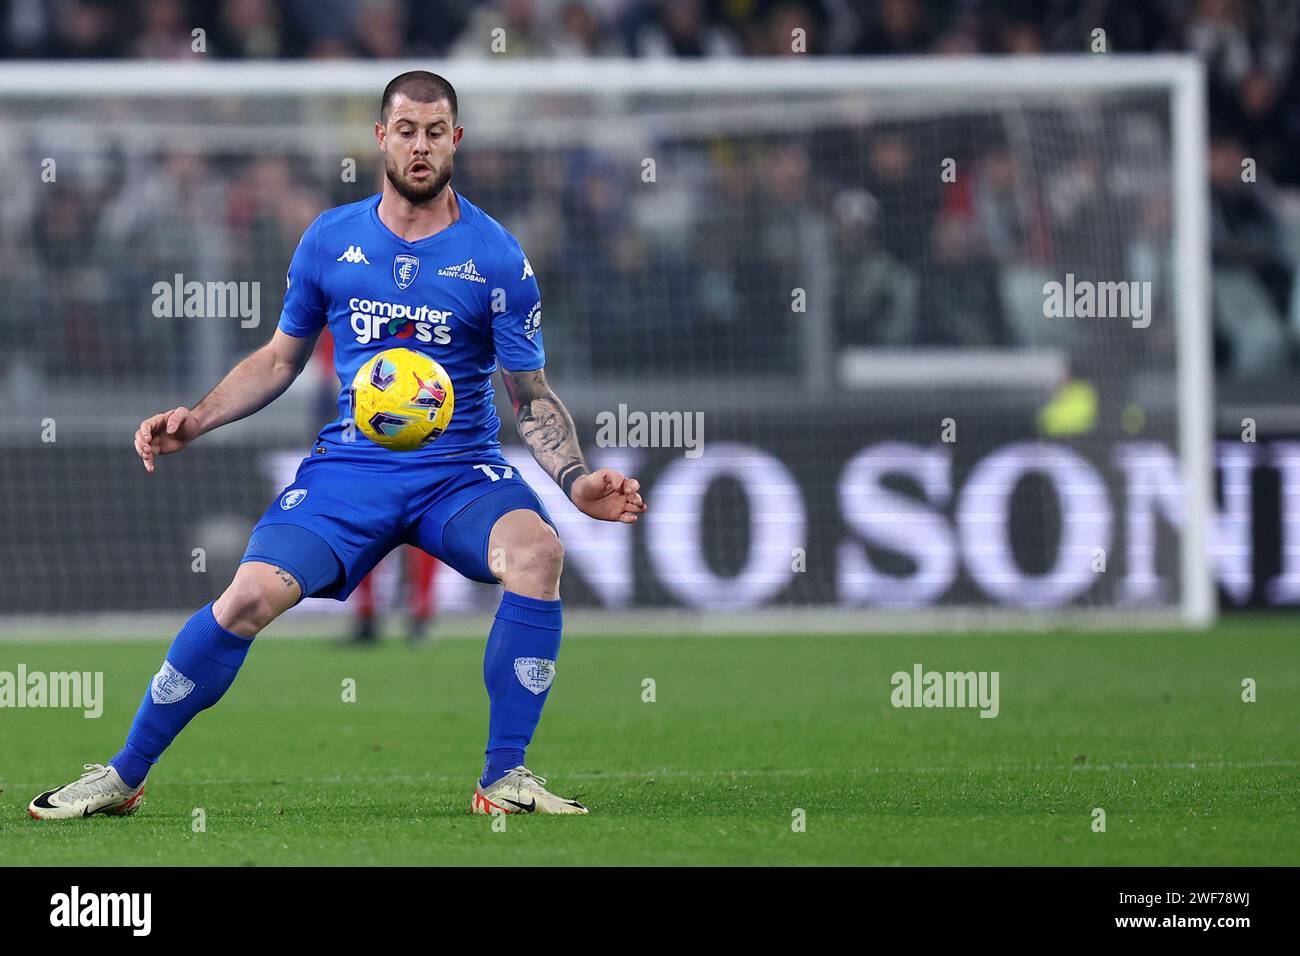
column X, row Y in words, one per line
column 419, row 587
column 417, row 266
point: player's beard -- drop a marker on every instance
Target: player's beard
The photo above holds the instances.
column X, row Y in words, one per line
column 418, row 194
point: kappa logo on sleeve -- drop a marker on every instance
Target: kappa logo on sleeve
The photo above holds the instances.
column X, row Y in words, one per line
column 535, row 673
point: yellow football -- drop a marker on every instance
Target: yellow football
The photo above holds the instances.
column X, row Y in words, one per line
column 402, row 399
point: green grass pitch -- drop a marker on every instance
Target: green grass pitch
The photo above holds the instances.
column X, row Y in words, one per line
column 744, row 731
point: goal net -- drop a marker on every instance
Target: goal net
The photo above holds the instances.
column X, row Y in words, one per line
column 892, row 339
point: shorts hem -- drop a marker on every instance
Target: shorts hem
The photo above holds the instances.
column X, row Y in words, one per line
column 537, row 508
column 282, row 565
column 337, row 589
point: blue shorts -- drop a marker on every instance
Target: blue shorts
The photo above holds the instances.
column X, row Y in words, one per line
column 363, row 508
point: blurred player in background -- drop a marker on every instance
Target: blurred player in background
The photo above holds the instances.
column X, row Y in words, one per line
column 419, row 575
column 417, row 266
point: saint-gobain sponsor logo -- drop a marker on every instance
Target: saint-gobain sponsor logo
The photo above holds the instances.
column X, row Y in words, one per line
column 465, row 270
column 75, row 908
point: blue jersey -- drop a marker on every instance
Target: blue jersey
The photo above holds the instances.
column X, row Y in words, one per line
column 466, row 297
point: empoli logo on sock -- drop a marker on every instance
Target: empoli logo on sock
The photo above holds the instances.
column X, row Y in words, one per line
column 170, row 685
column 535, row 673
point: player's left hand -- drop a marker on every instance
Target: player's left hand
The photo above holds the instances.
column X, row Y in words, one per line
column 608, row 495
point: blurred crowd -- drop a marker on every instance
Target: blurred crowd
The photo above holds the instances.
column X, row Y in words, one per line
column 854, row 213
column 1249, row 45
column 692, row 274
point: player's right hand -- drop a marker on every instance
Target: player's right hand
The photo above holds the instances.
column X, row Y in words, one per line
column 163, row 434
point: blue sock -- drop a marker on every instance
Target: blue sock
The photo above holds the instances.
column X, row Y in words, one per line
column 518, row 668
column 200, row 666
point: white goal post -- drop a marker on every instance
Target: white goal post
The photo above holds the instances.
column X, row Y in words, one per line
column 719, row 106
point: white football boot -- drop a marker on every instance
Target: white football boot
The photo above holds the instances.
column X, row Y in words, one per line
column 98, row 790
column 521, row 791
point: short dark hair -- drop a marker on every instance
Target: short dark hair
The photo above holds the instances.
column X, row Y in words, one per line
column 421, row 86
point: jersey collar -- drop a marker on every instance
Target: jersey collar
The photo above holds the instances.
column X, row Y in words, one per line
column 379, row 223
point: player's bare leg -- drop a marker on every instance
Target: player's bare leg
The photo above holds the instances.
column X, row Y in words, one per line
column 200, row 667
column 526, row 555
column 258, row 594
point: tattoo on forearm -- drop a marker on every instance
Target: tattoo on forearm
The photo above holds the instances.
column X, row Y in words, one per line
column 546, row 427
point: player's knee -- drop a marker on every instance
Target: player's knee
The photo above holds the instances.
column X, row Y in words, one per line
column 536, row 556
column 550, row 555
column 247, row 606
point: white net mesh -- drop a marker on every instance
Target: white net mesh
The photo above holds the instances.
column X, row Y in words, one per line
column 845, row 284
